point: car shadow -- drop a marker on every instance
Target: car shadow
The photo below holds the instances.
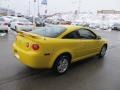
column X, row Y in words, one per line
column 92, row 61
column 93, row 64
column 80, row 71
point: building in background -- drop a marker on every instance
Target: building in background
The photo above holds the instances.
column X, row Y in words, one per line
column 5, row 8
column 108, row 12
column 5, row 12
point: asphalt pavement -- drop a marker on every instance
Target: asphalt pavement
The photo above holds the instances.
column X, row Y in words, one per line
column 90, row 74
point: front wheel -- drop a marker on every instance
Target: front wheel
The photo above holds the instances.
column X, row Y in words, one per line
column 6, row 31
column 62, row 64
column 103, row 51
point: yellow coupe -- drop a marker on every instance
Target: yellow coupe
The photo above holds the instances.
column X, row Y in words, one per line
column 56, row 47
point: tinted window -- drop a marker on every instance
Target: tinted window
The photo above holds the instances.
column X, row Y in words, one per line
column 23, row 20
column 86, row 34
column 72, row 35
column 49, row 31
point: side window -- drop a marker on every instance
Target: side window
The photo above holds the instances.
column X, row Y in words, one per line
column 72, row 35
column 86, row 34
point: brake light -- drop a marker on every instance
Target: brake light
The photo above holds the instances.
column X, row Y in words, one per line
column 20, row 24
column 5, row 23
column 35, row 47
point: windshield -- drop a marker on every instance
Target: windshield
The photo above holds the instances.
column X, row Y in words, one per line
column 23, row 20
column 38, row 19
column 49, row 31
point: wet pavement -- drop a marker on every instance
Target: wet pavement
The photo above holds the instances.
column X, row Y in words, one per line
column 91, row 74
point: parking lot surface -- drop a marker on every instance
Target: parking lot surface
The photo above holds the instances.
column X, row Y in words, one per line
column 90, row 74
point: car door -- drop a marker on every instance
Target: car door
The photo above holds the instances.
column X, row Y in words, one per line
column 90, row 42
column 83, row 43
column 77, row 46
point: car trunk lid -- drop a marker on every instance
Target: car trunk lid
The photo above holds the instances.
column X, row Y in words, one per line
column 28, row 41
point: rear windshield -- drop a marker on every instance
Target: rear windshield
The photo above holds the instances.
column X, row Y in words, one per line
column 49, row 31
column 23, row 20
column 1, row 19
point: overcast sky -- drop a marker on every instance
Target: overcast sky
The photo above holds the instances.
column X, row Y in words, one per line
column 64, row 5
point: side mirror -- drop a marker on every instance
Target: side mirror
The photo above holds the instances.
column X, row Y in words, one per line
column 98, row 37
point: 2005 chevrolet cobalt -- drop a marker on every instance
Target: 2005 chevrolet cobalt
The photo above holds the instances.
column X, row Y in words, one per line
column 56, row 47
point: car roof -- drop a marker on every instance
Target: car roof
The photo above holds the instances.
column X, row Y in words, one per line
column 68, row 26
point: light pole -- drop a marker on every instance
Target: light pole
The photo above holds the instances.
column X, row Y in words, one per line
column 8, row 6
column 8, row 10
column 34, row 13
column 38, row 8
column 79, row 2
column 29, row 8
column 77, row 10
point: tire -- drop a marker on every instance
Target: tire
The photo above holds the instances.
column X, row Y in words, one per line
column 103, row 51
column 9, row 25
column 61, row 64
column 15, row 28
column 6, row 31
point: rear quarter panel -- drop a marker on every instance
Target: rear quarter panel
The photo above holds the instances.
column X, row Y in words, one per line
column 57, row 47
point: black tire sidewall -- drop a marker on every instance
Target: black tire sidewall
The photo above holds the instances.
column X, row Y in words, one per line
column 15, row 28
column 6, row 31
column 100, row 55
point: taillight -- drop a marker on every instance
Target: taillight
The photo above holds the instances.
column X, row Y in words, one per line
column 5, row 23
column 35, row 46
column 20, row 24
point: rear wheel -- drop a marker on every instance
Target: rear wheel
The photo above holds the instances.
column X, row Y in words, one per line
column 61, row 64
column 103, row 51
column 6, row 31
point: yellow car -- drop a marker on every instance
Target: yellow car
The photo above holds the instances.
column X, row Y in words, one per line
column 56, row 47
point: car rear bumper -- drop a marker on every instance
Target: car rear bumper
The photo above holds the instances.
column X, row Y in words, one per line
column 3, row 27
column 33, row 60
